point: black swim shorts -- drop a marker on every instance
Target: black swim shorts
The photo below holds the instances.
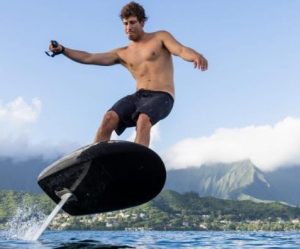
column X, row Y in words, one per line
column 156, row 104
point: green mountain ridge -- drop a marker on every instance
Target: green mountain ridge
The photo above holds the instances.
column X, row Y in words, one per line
column 237, row 181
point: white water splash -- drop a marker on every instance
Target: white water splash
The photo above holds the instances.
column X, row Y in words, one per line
column 25, row 223
column 30, row 222
column 46, row 222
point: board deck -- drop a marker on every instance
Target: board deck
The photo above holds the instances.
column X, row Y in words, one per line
column 103, row 177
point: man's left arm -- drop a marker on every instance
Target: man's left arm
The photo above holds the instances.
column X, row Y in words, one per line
column 182, row 51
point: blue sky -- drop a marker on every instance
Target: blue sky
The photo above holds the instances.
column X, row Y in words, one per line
column 253, row 77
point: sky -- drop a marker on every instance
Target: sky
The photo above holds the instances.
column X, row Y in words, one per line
column 246, row 106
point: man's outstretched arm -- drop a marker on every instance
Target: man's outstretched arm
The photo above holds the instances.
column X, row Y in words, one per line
column 184, row 52
column 102, row 59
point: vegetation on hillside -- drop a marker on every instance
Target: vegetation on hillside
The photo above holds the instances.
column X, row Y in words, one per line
column 168, row 211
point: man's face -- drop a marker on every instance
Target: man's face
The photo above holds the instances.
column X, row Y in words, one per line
column 133, row 28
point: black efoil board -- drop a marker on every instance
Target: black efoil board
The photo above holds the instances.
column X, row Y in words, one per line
column 103, row 177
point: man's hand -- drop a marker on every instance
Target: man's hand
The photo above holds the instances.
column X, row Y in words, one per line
column 200, row 62
column 55, row 47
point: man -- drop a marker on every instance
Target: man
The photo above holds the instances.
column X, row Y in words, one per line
column 148, row 57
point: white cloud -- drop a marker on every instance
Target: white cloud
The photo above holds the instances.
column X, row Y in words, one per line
column 17, row 117
column 18, row 120
column 19, row 112
column 268, row 146
column 155, row 136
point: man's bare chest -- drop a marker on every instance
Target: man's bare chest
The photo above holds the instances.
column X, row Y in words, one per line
column 134, row 56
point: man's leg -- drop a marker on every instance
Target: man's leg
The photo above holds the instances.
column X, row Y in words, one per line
column 109, row 124
column 143, row 128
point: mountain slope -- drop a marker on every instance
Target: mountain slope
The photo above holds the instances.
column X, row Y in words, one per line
column 285, row 182
column 21, row 175
column 240, row 180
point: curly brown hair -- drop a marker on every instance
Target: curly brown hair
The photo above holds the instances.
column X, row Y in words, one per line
column 133, row 9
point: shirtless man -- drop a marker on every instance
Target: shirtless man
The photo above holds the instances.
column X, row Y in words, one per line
column 148, row 57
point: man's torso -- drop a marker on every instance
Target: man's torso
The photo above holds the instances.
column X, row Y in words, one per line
column 150, row 63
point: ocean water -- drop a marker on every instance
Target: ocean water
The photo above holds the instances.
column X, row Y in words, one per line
column 153, row 239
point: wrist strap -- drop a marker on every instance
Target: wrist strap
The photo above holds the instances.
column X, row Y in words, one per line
column 62, row 49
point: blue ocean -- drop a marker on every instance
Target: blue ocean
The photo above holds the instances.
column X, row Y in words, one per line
column 153, row 239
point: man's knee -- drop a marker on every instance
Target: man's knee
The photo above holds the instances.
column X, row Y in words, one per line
column 110, row 120
column 143, row 122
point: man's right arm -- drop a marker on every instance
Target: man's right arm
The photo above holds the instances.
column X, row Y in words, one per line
column 102, row 59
